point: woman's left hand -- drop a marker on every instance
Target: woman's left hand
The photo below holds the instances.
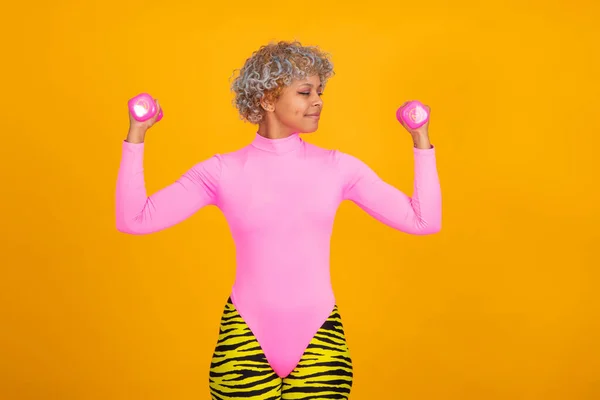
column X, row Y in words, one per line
column 420, row 135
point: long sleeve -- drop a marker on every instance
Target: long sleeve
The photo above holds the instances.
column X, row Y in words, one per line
column 136, row 213
column 420, row 214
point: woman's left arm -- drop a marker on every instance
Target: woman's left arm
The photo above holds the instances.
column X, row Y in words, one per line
column 420, row 214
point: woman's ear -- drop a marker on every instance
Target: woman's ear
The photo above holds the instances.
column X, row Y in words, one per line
column 267, row 106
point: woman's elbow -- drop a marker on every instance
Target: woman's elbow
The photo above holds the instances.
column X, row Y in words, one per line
column 423, row 228
column 432, row 230
column 127, row 230
column 131, row 228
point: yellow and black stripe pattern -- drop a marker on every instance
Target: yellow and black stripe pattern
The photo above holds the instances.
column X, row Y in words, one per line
column 325, row 369
column 240, row 370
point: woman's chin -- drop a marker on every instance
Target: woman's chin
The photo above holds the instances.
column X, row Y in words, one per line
column 309, row 129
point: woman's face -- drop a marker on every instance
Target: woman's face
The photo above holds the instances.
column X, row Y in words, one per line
column 299, row 105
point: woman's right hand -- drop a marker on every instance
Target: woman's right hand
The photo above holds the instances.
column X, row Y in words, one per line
column 137, row 129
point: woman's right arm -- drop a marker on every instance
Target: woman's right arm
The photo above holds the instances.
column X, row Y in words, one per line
column 137, row 213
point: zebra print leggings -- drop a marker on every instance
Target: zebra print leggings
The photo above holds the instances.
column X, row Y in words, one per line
column 239, row 368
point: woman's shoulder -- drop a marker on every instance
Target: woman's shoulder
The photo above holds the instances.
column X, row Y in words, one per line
column 332, row 154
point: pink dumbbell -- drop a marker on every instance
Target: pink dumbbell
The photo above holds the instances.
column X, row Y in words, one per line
column 414, row 114
column 143, row 107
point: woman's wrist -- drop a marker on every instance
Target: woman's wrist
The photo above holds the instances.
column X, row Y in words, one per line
column 421, row 141
column 136, row 135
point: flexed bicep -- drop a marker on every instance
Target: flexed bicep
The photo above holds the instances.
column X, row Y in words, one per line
column 138, row 213
column 419, row 214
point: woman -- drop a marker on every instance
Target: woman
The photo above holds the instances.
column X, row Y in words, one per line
column 281, row 335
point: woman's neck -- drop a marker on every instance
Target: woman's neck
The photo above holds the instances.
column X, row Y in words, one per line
column 272, row 129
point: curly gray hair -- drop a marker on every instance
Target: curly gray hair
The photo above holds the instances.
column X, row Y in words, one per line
column 272, row 67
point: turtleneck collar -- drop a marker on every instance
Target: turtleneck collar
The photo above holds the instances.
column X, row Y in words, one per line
column 278, row 146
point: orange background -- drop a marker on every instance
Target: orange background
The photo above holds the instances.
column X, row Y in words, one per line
column 502, row 304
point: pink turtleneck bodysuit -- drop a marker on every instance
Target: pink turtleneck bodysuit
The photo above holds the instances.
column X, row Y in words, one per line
column 279, row 197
